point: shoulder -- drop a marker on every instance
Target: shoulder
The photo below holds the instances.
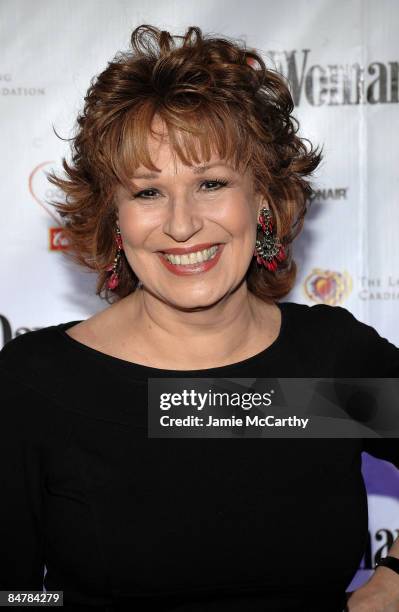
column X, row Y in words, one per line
column 357, row 346
column 324, row 314
column 318, row 329
column 321, row 317
column 33, row 355
column 30, row 372
column 23, row 345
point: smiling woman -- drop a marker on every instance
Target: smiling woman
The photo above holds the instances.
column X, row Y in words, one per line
column 187, row 186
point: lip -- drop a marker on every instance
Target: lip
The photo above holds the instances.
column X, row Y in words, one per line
column 190, row 269
column 193, row 249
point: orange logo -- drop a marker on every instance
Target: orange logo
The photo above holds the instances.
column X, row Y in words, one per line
column 40, row 189
column 327, row 286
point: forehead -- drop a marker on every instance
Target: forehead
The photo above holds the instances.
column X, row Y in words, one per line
column 163, row 154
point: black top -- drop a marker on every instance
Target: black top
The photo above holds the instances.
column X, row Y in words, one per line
column 120, row 519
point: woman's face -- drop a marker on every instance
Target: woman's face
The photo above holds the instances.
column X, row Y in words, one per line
column 183, row 207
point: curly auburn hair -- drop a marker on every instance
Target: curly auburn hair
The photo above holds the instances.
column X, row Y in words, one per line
column 210, row 92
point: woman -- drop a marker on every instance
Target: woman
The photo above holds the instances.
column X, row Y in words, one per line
column 185, row 149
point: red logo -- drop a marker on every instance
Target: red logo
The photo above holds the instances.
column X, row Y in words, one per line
column 57, row 240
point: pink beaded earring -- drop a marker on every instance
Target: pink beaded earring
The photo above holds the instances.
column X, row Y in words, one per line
column 113, row 280
column 268, row 250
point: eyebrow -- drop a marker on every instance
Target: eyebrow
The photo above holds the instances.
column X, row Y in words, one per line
column 195, row 169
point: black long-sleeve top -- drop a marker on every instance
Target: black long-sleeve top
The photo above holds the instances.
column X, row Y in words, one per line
column 124, row 521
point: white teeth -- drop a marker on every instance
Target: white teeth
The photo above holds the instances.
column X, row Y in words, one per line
column 192, row 258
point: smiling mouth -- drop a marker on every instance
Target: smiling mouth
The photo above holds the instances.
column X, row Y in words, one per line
column 177, row 251
column 193, row 258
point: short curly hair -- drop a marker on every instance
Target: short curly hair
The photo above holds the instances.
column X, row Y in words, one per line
column 210, row 92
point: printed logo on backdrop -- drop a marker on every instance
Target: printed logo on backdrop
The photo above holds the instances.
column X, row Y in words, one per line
column 42, row 192
column 329, row 193
column 382, row 534
column 9, row 89
column 327, row 286
column 379, row 288
column 336, row 84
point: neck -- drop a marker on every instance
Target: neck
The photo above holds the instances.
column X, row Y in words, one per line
column 237, row 326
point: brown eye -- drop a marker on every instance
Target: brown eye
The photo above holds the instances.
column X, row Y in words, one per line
column 218, row 182
column 140, row 194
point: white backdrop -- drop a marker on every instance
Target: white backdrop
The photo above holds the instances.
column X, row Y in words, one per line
column 342, row 60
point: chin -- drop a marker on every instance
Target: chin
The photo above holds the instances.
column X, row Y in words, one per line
column 194, row 302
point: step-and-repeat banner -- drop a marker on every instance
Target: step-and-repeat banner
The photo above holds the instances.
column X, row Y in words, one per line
column 341, row 58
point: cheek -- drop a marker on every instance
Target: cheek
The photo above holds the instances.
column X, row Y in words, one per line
column 134, row 229
column 237, row 217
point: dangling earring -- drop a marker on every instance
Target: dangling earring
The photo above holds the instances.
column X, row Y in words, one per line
column 268, row 250
column 113, row 280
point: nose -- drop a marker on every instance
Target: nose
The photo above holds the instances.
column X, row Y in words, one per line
column 183, row 220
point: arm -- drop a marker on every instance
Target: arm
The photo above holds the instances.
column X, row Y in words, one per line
column 377, row 358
